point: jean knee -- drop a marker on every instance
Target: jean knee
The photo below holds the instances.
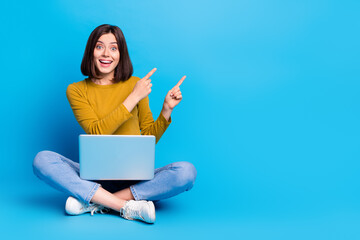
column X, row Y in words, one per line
column 187, row 174
column 41, row 161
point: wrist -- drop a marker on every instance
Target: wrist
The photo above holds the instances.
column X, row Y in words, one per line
column 166, row 112
column 166, row 107
column 134, row 98
column 130, row 102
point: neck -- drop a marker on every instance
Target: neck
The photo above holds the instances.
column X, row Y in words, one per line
column 104, row 80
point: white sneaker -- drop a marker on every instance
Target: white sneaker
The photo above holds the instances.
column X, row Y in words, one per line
column 139, row 210
column 76, row 207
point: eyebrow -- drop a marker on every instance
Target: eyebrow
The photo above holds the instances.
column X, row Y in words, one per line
column 110, row 43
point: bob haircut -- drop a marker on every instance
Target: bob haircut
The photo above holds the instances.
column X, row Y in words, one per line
column 123, row 70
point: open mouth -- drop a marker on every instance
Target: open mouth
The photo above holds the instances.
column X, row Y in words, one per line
column 105, row 63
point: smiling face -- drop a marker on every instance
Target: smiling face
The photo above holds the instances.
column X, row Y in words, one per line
column 106, row 55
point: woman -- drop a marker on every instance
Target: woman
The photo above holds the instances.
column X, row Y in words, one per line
column 112, row 101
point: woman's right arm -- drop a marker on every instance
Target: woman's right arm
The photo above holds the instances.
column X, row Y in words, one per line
column 141, row 90
column 88, row 119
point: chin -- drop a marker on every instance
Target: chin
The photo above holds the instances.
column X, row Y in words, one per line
column 103, row 71
column 106, row 71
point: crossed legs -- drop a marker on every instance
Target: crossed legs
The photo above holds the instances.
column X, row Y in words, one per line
column 63, row 174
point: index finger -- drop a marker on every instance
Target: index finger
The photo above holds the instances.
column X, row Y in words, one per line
column 149, row 74
column 180, row 82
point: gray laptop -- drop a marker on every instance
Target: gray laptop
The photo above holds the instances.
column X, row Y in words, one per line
column 116, row 157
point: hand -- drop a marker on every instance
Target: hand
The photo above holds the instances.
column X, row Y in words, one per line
column 174, row 96
column 143, row 87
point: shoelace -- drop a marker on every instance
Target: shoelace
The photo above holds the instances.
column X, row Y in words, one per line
column 98, row 209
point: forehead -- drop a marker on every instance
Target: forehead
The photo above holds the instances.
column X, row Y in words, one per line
column 107, row 38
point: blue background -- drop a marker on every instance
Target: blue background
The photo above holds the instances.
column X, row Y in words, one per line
column 270, row 115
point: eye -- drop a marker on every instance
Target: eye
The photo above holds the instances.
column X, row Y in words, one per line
column 113, row 48
column 98, row 47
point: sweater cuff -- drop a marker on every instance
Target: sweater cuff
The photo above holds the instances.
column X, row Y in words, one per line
column 124, row 109
column 163, row 121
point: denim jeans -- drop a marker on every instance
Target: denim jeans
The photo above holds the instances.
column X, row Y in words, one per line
column 63, row 174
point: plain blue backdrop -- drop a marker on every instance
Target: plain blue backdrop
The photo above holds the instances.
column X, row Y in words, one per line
column 270, row 115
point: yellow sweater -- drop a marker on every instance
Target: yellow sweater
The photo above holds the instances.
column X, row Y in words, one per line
column 99, row 110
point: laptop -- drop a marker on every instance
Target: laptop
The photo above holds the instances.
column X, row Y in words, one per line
column 116, row 157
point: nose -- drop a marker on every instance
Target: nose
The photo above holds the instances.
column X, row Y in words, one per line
column 106, row 52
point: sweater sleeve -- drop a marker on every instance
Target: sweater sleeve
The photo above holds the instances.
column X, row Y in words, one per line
column 146, row 121
column 87, row 118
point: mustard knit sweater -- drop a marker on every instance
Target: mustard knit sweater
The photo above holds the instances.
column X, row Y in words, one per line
column 99, row 110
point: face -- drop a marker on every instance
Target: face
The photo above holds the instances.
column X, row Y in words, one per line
column 106, row 55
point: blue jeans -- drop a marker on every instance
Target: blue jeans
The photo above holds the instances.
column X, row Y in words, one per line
column 63, row 174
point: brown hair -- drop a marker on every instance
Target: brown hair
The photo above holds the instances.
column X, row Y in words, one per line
column 123, row 70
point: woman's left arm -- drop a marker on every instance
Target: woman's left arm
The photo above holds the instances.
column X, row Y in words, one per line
column 173, row 98
column 146, row 121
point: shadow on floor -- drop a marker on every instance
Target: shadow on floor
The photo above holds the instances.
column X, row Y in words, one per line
column 44, row 202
